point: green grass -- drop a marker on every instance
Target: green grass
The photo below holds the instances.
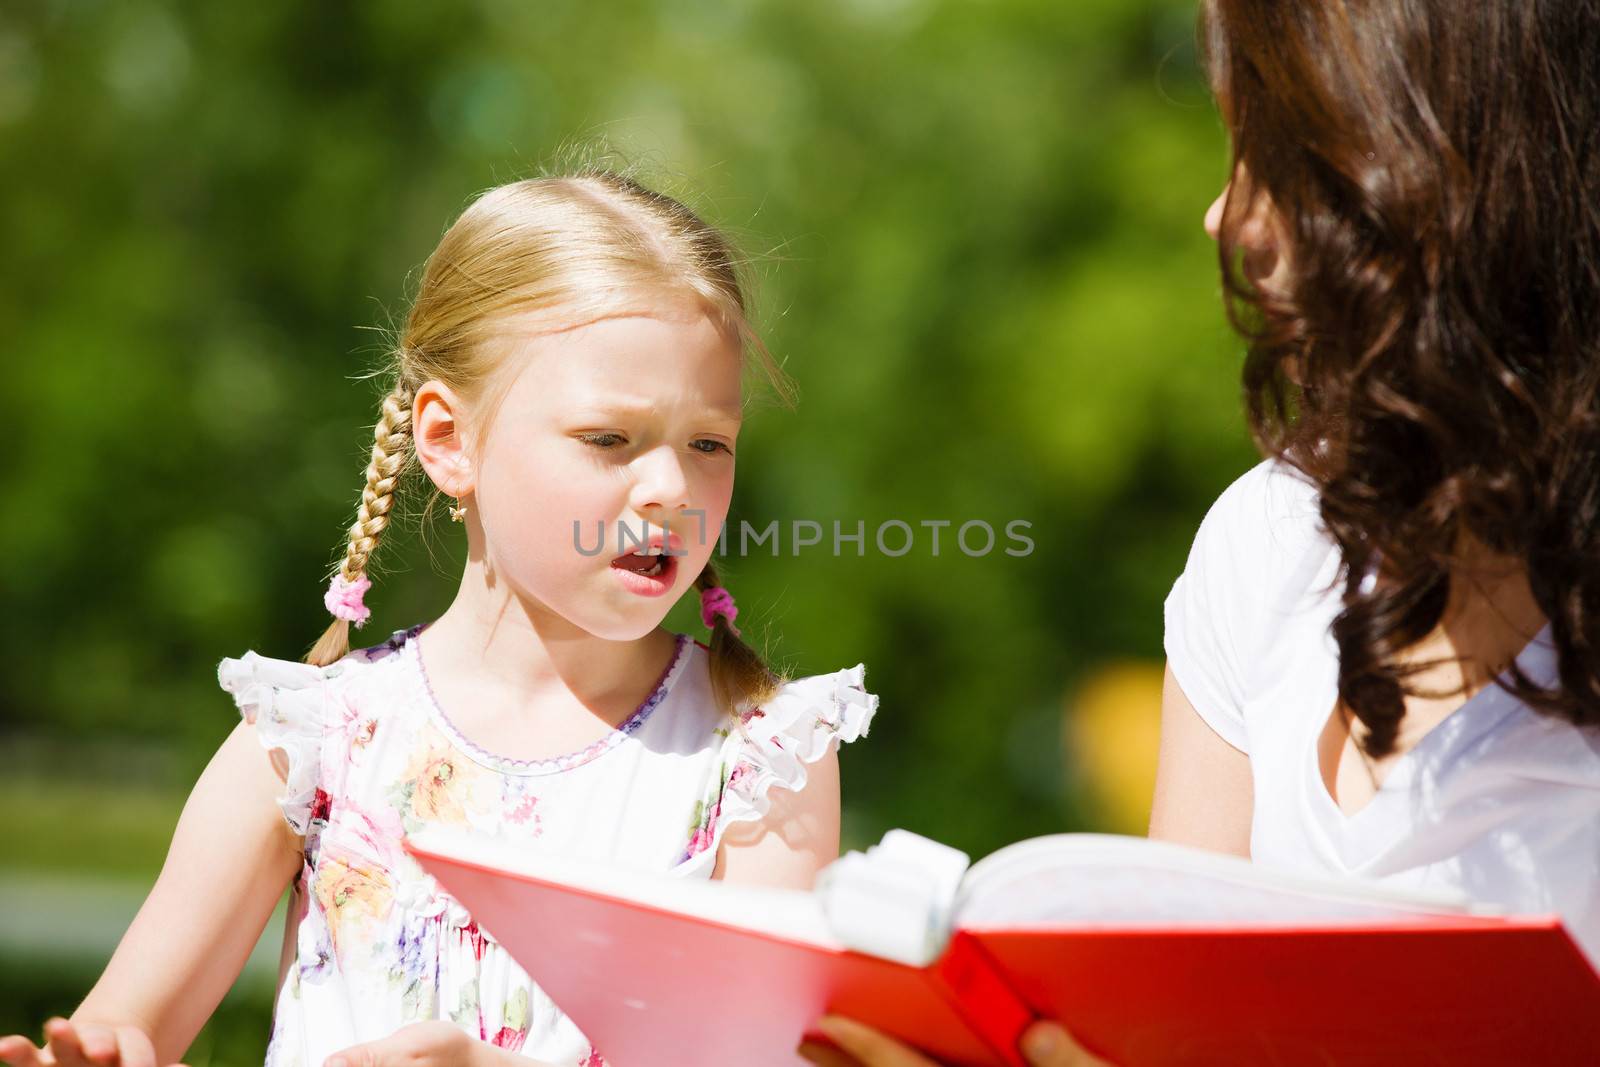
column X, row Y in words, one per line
column 32, row 990
column 104, row 833
column 88, row 828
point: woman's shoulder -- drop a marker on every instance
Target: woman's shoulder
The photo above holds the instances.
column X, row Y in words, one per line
column 1255, row 585
column 1261, row 547
column 1271, row 504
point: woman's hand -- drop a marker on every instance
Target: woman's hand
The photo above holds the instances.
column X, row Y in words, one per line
column 70, row 1044
column 1045, row 1044
column 430, row 1044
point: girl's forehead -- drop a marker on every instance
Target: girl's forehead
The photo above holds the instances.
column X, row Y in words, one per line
column 635, row 362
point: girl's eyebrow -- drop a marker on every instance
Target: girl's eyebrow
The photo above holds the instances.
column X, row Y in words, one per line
column 628, row 408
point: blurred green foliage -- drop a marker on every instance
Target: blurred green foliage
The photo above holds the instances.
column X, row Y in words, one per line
column 977, row 234
column 33, row 989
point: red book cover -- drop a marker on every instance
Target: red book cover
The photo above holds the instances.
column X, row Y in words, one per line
column 660, row 972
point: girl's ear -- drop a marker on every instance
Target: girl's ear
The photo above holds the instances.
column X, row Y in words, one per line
column 438, row 432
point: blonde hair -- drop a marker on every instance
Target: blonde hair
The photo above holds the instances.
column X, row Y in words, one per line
column 577, row 247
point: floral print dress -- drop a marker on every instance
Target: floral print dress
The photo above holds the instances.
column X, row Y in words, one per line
column 373, row 943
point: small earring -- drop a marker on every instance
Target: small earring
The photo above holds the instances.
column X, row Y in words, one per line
column 458, row 512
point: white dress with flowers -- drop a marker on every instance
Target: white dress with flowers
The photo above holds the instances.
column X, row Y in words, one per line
column 374, row 943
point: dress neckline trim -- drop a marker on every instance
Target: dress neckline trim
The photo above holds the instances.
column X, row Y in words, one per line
column 412, row 655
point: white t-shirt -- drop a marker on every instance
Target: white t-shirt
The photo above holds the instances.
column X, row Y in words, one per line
column 1496, row 801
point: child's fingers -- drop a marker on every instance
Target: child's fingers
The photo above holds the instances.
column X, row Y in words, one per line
column 425, row 1044
column 61, row 1039
column 99, row 1044
column 368, row 1055
column 18, row 1051
column 134, row 1048
column 868, row 1045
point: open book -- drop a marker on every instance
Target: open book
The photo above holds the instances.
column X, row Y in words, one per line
column 1151, row 953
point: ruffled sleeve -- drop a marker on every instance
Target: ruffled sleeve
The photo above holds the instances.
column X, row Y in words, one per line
column 284, row 700
column 773, row 746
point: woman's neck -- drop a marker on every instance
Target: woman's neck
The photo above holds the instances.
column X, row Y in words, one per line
column 1490, row 618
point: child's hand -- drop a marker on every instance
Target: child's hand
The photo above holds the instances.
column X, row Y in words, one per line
column 430, row 1044
column 1045, row 1044
column 70, row 1044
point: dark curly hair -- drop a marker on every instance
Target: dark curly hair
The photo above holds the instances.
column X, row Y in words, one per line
column 1432, row 364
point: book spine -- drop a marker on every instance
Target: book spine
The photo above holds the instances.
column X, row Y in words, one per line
column 974, row 984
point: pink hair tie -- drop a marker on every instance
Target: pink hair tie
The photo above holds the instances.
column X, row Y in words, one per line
column 718, row 601
column 343, row 599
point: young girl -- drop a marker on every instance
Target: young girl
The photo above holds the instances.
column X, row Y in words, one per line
column 1384, row 652
column 570, row 373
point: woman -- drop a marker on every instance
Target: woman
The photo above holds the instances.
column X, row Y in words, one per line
column 1389, row 630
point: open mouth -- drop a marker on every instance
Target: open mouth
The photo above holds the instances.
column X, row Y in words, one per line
column 649, row 572
column 649, row 562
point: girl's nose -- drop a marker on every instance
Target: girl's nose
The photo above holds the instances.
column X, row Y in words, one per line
column 660, row 485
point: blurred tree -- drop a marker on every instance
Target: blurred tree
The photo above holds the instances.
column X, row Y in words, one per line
column 977, row 231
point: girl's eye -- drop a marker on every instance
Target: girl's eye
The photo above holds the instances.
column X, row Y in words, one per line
column 715, row 445
column 600, row 440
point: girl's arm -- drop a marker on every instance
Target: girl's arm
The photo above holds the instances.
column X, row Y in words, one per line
column 798, row 837
column 230, row 859
column 1204, row 794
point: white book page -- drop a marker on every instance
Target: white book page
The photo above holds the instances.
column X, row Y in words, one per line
column 1103, row 880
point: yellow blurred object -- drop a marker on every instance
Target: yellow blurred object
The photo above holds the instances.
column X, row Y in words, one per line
column 1111, row 728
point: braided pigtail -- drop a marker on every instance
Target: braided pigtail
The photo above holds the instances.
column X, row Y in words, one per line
column 740, row 678
column 391, row 454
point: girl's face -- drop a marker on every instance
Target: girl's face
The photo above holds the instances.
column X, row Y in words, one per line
column 612, row 433
column 1260, row 235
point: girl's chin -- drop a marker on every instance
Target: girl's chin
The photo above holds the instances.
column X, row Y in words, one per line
column 625, row 606
column 632, row 625
column 635, row 605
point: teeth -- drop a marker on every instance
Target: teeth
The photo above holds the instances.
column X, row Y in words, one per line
column 658, row 550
